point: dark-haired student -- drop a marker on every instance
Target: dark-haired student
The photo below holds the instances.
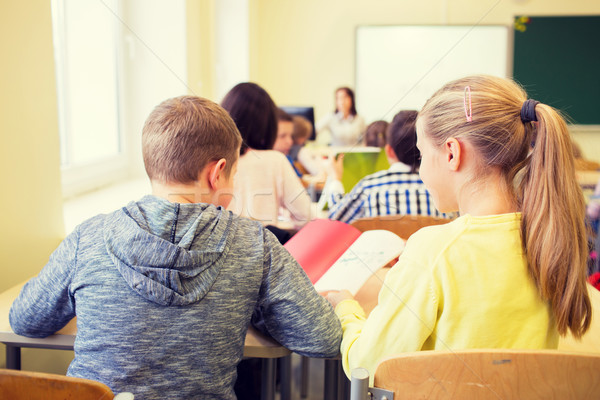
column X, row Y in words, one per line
column 265, row 181
column 397, row 190
column 375, row 134
column 285, row 140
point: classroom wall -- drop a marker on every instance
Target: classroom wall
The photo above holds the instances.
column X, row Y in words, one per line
column 31, row 201
column 154, row 65
column 32, row 223
column 200, row 25
column 300, row 51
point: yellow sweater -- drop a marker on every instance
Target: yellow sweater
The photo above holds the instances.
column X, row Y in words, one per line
column 456, row 286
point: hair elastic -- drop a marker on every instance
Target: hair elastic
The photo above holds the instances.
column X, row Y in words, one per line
column 528, row 110
column 469, row 112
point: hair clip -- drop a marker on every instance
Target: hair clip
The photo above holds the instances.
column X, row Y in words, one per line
column 469, row 112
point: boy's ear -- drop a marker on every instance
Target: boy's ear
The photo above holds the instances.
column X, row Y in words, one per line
column 453, row 153
column 215, row 172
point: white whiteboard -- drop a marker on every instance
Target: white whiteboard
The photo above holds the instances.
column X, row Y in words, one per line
column 400, row 67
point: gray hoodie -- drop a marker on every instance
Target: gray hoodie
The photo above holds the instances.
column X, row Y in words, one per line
column 163, row 295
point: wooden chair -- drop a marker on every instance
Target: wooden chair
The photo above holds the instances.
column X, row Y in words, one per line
column 25, row 385
column 401, row 225
column 484, row 374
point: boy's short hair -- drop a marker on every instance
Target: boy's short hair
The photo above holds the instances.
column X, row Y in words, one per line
column 302, row 128
column 402, row 137
column 183, row 134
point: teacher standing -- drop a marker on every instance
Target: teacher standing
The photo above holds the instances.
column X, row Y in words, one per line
column 344, row 124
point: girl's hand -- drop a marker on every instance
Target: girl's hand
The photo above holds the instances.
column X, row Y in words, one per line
column 335, row 297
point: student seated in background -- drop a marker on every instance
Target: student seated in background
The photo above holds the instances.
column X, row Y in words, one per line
column 265, row 181
column 164, row 288
column 310, row 161
column 510, row 272
column 284, row 141
column 375, row 134
column 396, row 191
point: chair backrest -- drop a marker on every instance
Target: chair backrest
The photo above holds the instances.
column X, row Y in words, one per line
column 491, row 374
column 401, row 225
column 21, row 385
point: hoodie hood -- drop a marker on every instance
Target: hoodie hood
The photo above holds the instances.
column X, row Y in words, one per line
column 169, row 253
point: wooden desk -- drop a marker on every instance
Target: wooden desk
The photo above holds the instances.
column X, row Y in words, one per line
column 256, row 346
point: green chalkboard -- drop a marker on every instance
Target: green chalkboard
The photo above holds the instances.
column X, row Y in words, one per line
column 557, row 60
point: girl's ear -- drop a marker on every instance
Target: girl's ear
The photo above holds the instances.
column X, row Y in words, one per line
column 215, row 173
column 453, row 153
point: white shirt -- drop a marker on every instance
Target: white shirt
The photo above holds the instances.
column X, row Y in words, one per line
column 265, row 182
column 344, row 131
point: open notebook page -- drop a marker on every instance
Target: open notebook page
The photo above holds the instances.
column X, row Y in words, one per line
column 319, row 244
column 369, row 252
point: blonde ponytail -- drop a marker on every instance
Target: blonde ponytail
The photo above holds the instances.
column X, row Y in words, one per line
column 536, row 160
column 553, row 225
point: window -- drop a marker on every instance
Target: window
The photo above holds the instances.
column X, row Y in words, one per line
column 115, row 61
column 86, row 38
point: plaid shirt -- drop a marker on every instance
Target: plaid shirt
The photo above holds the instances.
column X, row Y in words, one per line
column 395, row 191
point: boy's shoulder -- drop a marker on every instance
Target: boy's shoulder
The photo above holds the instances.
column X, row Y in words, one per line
column 93, row 223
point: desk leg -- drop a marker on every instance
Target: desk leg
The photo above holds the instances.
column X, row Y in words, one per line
column 304, row 377
column 343, row 384
column 330, row 384
column 13, row 357
column 286, row 377
column 267, row 387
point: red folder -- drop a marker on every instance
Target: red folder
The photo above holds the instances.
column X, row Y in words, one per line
column 319, row 244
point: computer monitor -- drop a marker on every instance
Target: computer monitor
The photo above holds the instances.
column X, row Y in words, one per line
column 306, row 112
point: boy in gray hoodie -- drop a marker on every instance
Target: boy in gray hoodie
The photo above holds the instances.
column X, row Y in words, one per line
column 164, row 288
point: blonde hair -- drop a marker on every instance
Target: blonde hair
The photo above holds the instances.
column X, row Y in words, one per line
column 302, row 128
column 183, row 134
column 536, row 160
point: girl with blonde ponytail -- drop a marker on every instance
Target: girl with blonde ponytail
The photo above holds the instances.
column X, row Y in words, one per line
column 510, row 272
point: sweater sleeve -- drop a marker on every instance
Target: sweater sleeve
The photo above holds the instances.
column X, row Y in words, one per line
column 294, row 313
column 45, row 304
column 402, row 321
